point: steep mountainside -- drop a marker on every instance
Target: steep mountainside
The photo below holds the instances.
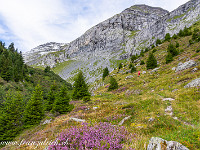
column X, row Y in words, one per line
column 163, row 102
column 116, row 39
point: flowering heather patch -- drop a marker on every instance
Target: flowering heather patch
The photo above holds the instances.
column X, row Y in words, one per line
column 116, row 117
column 101, row 136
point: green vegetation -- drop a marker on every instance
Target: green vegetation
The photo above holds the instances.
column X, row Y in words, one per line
column 34, row 113
column 120, row 66
column 105, row 72
column 167, row 37
column 113, row 84
column 151, row 62
column 80, row 87
column 59, row 67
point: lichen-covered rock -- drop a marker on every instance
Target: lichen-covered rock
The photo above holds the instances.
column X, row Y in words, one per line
column 157, row 143
column 186, row 65
column 193, row 83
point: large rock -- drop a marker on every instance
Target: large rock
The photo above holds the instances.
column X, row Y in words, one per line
column 194, row 83
column 157, row 143
column 186, row 65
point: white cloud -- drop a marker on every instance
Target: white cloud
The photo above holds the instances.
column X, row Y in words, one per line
column 34, row 22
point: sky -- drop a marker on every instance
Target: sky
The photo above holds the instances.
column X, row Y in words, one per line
column 29, row 23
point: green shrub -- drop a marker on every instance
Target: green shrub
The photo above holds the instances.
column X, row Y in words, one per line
column 167, row 37
column 133, row 57
column 177, row 45
column 86, row 98
column 169, row 58
column 174, row 36
column 130, row 65
column 120, row 66
column 151, row 62
column 105, row 72
column 146, row 50
column 142, row 62
column 158, row 41
column 172, row 49
column 154, row 50
column 142, row 53
column 133, row 69
column 113, row 84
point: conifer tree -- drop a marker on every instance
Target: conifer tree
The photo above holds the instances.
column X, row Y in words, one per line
column 105, row 72
column 34, row 110
column 167, row 37
column 151, row 62
column 51, row 97
column 61, row 103
column 80, row 87
column 11, row 117
column 113, row 84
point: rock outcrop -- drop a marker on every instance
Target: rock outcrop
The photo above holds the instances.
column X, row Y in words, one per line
column 194, row 83
column 118, row 37
column 157, row 143
column 186, row 65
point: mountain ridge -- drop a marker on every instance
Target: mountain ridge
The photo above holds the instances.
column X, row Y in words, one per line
column 119, row 37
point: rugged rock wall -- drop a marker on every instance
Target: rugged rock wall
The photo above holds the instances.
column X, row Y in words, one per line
column 118, row 37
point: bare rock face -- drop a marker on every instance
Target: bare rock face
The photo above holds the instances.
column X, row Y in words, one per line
column 157, row 143
column 194, row 83
column 186, row 65
column 118, row 37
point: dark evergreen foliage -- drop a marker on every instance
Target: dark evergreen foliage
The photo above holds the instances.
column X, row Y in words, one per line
column 61, row 104
column 113, row 84
column 80, row 87
column 142, row 53
column 34, row 109
column 167, row 37
column 172, row 49
column 158, row 41
column 151, row 62
column 133, row 69
column 169, row 58
column 105, row 72
column 142, row 62
column 11, row 117
column 47, row 69
column 120, row 66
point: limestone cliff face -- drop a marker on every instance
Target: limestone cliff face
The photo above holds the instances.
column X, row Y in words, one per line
column 118, row 37
column 172, row 23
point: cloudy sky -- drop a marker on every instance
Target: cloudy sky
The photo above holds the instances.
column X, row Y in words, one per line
column 29, row 23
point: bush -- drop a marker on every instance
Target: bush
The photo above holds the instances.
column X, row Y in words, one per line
column 167, row 37
column 172, row 49
column 154, row 50
column 113, row 84
column 86, row 98
column 133, row 57
column 177, row 45
column 105, row 72
column 47, row 69
column 142, row 62
column 169, row 58
column 146, row 50
column 100, row 136
column 133, row 69
column 120, row 66
column 130, row 65
column 153, row 46
column 151, row 62
column 174, row 36
column 158, row 41
column 142, row 53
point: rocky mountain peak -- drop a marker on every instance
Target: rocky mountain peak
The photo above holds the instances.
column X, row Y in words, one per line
column 149, row 9
column 116, row 38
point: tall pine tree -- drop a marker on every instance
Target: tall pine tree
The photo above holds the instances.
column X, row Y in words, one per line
column 34, row 108
column 80, row 87
column 11, row 117
column 61, row 103
column 151, row 62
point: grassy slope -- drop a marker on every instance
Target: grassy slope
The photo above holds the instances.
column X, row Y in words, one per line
column 114, row 106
